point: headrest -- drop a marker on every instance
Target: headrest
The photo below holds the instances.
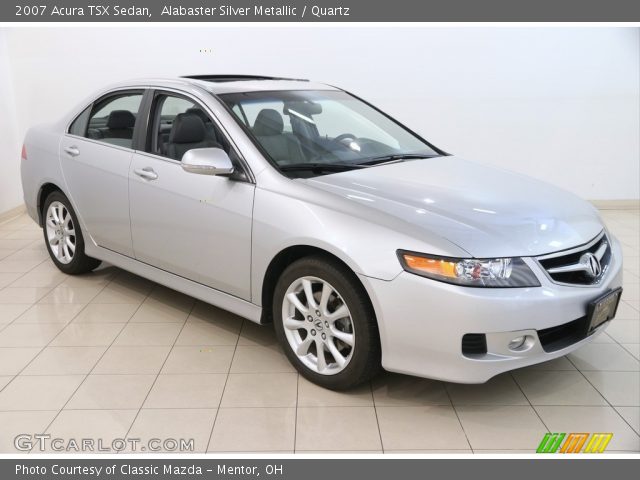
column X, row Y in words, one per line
column 187, row 128
column 199, row 112
column 268, row 122
column 121, row 119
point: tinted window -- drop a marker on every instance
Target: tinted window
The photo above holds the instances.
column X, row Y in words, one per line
column 180, row 125
column 79, row 125
column 112, row 119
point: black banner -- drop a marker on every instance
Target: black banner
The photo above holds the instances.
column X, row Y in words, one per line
column 319, row 11
column 319, row 469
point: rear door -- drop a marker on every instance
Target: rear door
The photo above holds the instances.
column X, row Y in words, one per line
column 195, row 226
column 95, row 155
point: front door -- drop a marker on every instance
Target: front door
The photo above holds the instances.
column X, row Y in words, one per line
column 195, row 226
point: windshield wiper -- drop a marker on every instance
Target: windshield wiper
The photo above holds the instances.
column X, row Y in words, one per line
column 398, row 157
column 321, row 167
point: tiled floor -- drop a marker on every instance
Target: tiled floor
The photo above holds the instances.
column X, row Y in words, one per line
column 111, row 355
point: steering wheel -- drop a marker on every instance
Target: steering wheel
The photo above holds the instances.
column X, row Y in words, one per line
column 344, row 136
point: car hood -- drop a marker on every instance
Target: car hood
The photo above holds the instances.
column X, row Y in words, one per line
column 486, row 211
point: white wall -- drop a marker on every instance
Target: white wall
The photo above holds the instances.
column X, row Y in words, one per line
column 10, row 190
column 561, row 104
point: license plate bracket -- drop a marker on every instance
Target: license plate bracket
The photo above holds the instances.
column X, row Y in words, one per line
column 603, row 309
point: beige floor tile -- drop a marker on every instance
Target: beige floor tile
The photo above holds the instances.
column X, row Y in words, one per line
column 114, row 293
column 171, row 298
column 619, row 388
column 391, row 389
column 64, row 361
column 132, row 360
column 99, row 277
column 39, row 393
column 29, row 334
column 624, row 331
column 49, row 313
column 191, row 424
column 153, row 311
column 14, row 243
column 311, row 395
column 106, row 313
column 558, row 388
column 66, row 294
column 419, row 428
column 100, row 425
column 4, row 380
column 22, row 294
column 88, row 334
column 460, row 451
column 17, row 266
column 500, row 390
column 24, row 234
column 186, row 391
column 633, row 349
column 14, row 359
column 596, row 356
column 13, row 424
column 40, row 279
column 203, row 359
column 258, row 335
column 133, row 282
column 9, row 312
column 249, row 359
column 116, row 392
column 224, row 331
column 560, row 363
column 253, row 430
column 632, row 416
column 261, row 390
column 501, row 427
column 7, row 278
column 626, row 312
column 591, row 419
column 148, row 334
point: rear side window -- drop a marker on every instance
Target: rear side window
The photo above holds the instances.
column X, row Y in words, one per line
column 113, row 118
column 79, row 125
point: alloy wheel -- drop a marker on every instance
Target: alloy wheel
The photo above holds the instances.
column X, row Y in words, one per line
column 61, row 233
column 318, row 325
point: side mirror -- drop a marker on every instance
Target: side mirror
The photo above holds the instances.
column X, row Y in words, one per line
column 207, row 161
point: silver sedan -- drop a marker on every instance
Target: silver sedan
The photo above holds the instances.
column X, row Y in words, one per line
column 299, row 204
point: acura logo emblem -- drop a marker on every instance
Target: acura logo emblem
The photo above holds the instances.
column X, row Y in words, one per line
column 591, row 264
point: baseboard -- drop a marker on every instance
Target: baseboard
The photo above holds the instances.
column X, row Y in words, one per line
column 14, row 212
column 617, row 204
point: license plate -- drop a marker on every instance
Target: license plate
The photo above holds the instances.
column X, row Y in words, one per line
column 603, row 309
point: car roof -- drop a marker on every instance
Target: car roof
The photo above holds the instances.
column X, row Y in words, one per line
column 227, row 83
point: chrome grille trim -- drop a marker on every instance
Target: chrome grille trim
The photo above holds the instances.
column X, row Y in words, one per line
column 580, row 269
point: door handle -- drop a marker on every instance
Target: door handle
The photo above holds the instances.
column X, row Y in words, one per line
column 72, row 151
column 146, row 172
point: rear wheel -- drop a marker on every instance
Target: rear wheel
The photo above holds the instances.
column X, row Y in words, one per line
column 63, row 236
column 325, row 323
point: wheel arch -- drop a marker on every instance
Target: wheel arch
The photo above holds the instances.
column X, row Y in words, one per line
column 45, row 190
column 283, row 259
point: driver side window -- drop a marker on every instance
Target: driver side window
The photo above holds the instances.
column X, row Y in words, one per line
column 179, row 125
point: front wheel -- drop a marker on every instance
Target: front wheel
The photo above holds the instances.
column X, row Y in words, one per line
column 63, row 236
column 325, row 323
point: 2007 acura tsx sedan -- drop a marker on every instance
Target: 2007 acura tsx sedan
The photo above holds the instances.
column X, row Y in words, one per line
column 300, row 204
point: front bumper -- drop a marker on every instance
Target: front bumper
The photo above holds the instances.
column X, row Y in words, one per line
column 422, row 322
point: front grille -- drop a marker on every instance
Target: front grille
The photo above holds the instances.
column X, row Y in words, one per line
column 474, row 344
column 562, row 336
column 584, row 265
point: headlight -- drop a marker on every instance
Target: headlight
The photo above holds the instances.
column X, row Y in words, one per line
column 470, row 272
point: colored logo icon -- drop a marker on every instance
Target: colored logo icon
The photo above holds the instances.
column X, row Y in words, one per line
column 574, row 442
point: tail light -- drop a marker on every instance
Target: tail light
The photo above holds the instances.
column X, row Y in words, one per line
column 24, row 153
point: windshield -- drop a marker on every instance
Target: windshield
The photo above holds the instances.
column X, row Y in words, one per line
column 308, row 133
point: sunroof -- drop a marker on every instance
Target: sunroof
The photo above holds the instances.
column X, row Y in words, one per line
column 237, row 78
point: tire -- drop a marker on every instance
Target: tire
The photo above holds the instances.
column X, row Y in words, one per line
column 63, row 236
column 326, row 327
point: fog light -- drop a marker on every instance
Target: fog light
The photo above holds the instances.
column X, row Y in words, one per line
column 521, row 344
